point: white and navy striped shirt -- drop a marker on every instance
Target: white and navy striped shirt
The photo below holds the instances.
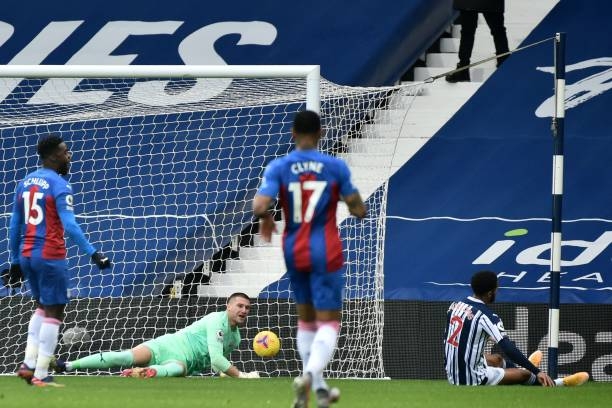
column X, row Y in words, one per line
column 470, row 323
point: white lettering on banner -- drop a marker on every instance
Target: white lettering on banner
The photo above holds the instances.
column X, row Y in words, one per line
column 199, row 49
column 515, row 278
column 98, row 51
column 51, row 37
column 600, row 369
column 582, row 90
column 532, row 255
column 6, row 32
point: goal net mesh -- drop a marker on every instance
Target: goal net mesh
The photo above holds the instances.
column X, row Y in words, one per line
column 164, row 172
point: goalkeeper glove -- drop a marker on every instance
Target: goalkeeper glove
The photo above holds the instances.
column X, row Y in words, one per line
column 100, row 260
column 12, row 277
column 252, row 374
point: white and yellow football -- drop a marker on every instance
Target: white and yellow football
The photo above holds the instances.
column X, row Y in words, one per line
column 266, row 344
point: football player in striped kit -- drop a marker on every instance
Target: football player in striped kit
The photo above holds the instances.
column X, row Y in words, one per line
column 470, row 324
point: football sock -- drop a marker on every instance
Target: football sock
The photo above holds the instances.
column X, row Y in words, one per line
column 305, row 336
column 323, row 347
column 559, row 382
column 107, row 359
column 533, row 380
column 47, row 341
column 171, row 369
column 31, row 351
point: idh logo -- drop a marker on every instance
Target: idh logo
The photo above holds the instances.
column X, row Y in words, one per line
column 573, row 253
column 589, row 250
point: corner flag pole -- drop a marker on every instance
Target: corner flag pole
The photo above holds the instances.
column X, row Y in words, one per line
column 557, row 195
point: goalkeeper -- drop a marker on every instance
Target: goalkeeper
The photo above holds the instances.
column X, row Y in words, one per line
column 206, row 343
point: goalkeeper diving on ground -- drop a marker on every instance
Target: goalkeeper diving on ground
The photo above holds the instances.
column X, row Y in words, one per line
column 206, row 343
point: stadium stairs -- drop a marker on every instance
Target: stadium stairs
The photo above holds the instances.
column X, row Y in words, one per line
column 418, row 119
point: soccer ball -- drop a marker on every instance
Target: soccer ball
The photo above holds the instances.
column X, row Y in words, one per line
column 75, row 335
column 266, row 344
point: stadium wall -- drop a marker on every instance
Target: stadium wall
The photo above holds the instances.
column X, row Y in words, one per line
column 413, row 349
column 366, row 43
column 478, row 194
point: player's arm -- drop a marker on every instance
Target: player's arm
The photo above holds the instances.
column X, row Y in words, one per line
column 262, row 203
column 13, row 276
column 516, row 356
column 349, row 192
column 218, row 361
column 15, row 225
column 355, row 205
column 495, row 329
column 65, row 210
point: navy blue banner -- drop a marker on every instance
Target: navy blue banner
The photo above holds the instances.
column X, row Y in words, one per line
column 357, row 43
column 478, row 195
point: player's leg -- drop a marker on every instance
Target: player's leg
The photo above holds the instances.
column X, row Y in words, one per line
column 171, row 368
column 138, row 356
column 302, row 295
column 53, row 285
column 26, row 369
column 327, row 297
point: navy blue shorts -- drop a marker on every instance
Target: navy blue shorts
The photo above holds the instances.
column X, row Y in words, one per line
column 48, row 279
column 322, row 289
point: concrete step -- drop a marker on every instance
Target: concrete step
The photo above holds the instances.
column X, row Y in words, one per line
column 261, row 253
column 378, row 146
column 449, row 45
column 255, row 279
column 224, row 291
column 260, row 266
column 477, row 74
column 444, row 59
column 365, row 160
column 386, row 130
column 456, row 30
column 277, row 240
column 389, row 116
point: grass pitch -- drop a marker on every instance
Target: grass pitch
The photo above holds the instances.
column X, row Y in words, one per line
column 94, row 392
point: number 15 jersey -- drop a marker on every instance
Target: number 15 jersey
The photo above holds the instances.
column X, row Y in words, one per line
column 310, row 184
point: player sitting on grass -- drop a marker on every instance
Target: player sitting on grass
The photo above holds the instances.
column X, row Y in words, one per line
column 204, row 344
column 470, row 323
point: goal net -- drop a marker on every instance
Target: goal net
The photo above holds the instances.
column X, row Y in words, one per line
column 164, row 170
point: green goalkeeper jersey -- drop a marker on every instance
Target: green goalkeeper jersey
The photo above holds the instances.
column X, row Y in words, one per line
column 207, row 343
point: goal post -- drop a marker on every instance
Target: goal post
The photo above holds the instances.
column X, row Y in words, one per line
column 166, row 160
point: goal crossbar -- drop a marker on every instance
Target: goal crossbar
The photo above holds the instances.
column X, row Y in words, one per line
column 312, row 73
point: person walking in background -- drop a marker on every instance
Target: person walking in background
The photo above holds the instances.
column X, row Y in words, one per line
column 493, row 12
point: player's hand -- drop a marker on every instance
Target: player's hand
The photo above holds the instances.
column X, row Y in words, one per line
column 266, row 227
column 545, row 380
column 252, row 374
column 100, row 260
column 12, row 277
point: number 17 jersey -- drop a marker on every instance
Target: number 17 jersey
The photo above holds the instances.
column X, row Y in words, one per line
column 310, row 184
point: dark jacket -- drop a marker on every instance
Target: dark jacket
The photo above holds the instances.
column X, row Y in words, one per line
column 480, row 5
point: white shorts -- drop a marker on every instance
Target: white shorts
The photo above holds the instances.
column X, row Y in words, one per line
column 494, row 375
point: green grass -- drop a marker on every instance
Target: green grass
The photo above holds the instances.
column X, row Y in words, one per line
column 93, row 392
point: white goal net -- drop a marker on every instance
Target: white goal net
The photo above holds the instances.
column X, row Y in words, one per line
column 164, row 171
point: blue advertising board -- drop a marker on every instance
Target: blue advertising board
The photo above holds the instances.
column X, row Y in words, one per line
column 478, row 194
column 357, row 43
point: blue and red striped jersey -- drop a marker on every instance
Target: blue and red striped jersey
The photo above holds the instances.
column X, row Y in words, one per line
column 42, row 212
column 310, row 184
